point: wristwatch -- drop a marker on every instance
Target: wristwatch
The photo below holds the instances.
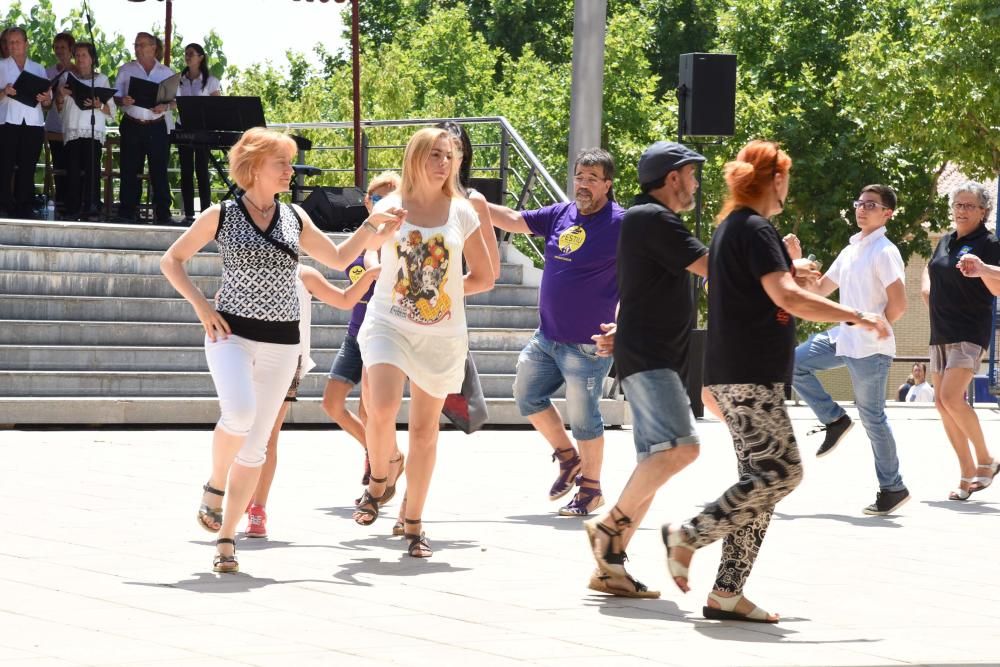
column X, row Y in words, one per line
column 858, row 314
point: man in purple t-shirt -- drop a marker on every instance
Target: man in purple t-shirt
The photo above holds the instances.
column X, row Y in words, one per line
column 579, row 293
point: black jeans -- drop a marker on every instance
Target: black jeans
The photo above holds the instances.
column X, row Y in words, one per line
column 83, row 178
column 139, row 141
column 194, row 161
column 22, row 145
column 57, row 150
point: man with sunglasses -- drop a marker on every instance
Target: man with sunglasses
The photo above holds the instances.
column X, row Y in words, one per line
column 870, row 274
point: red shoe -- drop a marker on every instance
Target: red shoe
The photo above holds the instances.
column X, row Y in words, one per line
column 256, row 521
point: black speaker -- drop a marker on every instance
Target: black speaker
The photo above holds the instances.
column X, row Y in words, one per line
column 336, row 209
column 707, row 93
column 491, row 188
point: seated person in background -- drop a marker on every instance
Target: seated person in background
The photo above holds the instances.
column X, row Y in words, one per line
column 904, row 388
column 921, row 391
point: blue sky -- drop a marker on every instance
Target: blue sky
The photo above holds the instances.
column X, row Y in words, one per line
column 251, row 30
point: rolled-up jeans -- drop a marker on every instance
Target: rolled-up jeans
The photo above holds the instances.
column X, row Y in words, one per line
column 869, row 376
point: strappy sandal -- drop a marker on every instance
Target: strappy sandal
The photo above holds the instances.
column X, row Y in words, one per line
column 419, row 546
column 390, row 489
column 620, row 585
column 568, row 471
column 605, row 543
column 210, row 515
column 225, row 564
column 674, row 539
column 727, row 611
column 586, row 500
column 367, row 508
column 983, row 481
column 960, row 493
column 397, row 528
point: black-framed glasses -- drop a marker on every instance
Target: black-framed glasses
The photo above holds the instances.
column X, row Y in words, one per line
column 867, row 205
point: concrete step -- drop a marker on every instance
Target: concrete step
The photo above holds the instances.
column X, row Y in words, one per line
column 163, row 383
column 31, row 307
column 156, row 286
column 88, row 235
column 128, row 411
column 173, row 359
column 104, row 261
column 33, row 333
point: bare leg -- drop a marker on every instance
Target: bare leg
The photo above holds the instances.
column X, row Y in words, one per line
column 385, row 395
column 335, row 406
column 423, row 430
column 224, row 448
column 550, row 424
column 956, row 415
column 271, row 462
column 242, row 481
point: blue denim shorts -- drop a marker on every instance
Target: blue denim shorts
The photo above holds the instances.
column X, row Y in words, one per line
column 544, row 365
column 347, row 365
column 661, row 411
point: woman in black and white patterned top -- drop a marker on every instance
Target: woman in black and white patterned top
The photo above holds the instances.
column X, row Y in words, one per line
column 252, row 332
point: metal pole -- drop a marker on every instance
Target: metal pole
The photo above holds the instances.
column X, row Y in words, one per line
column 166, row 33
column 356, row 73
column 587, row 90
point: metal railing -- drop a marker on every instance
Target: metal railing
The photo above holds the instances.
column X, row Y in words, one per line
column 499, row 153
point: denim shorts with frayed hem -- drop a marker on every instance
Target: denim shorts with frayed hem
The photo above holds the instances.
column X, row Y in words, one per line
column 544, row 365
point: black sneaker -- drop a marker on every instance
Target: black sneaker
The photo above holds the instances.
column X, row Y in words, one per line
column 835, row 432
column 887, row 502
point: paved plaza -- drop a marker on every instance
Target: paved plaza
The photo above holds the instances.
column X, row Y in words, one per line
column 102, row 562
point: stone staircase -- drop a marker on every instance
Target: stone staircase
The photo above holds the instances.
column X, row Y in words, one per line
column 91, row 332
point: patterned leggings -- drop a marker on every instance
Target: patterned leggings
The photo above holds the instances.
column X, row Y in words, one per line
column 769, row 467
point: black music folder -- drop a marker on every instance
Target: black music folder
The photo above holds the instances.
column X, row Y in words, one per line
column 28, row 87
column 148, row 94
column 81, row 91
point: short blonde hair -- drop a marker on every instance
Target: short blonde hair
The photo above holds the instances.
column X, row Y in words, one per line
column 389, row 179
column 256, row 145
column 418, row 148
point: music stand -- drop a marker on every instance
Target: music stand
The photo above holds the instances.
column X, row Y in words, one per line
column 220, row 113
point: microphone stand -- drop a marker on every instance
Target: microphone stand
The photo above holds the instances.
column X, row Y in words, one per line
column 91, row 181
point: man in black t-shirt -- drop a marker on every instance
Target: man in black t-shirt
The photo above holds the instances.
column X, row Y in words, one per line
column 655, row 253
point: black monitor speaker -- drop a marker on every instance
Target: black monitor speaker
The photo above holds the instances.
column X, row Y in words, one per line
column 491, row 188
column 336, row 209
column 707, row 94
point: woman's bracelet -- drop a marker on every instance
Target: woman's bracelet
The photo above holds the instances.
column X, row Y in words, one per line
column 370, row 226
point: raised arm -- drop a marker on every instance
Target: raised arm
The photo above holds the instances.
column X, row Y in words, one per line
column 378, row 228
column 972, row 266
column 172, row 266
column 786, row 294
column 331, row 295
column 508, row 219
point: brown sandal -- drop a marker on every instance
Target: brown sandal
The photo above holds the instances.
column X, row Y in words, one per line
column 367, row 509
column 209, row 515
column 225, row 564
column 390, row 489
column 419, row 546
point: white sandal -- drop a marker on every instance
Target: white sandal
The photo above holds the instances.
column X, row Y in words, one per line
column 727, row 610
column 673, row 540
column 980, row 482
column 960, row 493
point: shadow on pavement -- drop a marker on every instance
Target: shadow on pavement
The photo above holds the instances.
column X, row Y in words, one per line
column 404, row 567
column 610, row 605
column 550, row 520
column 764, row 633
column 866, row 521
column 966, row 507
column 209, row 582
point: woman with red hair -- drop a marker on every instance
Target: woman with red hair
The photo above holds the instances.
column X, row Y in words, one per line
column 752, row 305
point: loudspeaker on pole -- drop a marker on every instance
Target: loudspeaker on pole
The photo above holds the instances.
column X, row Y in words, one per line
column 707, row 94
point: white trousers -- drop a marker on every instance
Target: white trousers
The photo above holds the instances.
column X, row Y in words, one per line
column 251, row 379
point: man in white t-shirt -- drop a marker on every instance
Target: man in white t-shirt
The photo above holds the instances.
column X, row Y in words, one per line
column 921, row 391
column 870, row 276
